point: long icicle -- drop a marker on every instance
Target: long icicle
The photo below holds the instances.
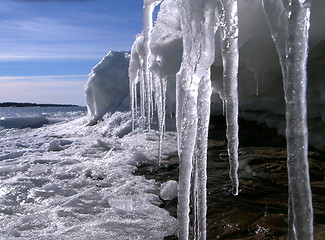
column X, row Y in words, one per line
column 204, row 100
column 187, row 120
column 300, row 200
column 289, row 31
column 203, row 106
column 229, row 36
column 160, row 100
column 134, row 78
column 148, row 7
column 193, row 106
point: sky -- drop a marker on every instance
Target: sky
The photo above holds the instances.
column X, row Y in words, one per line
column 48, row 47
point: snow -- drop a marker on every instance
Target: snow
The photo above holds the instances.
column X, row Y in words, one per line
column 70, row 181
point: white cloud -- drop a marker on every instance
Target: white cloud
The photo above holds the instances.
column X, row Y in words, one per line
column 48, row 38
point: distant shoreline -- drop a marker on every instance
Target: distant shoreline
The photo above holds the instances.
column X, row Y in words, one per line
column 15, row 104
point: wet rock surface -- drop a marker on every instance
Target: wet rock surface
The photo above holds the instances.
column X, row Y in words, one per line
column 260, row 209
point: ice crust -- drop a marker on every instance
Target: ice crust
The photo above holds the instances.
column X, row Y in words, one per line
column 70, row 181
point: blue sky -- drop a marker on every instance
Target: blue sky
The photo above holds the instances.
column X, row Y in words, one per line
column 48, row 47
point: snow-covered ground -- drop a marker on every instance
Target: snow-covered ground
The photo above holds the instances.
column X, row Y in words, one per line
column 72, row 181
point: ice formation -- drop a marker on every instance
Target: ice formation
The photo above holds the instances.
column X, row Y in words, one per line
column 107, row 87
column 290, row 34
column 191, row 29
column 23, row 121
column 228, row 15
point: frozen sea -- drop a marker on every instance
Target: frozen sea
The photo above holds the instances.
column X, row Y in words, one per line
column 62, row 179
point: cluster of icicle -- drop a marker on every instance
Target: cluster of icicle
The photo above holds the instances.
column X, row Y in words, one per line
column 200, row 20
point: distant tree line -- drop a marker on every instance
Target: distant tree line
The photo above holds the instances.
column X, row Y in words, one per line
column 15, row 104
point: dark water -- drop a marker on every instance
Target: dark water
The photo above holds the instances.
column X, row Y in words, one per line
column 40, row 111
column 260, row 210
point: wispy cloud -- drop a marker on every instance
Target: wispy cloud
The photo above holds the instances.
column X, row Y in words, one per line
column 28, row 35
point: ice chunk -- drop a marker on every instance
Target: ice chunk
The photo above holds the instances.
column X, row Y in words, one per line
column 54, row 146
column 139, row 159
column 121, row 204
column 23, row 122
column 169, row 190
column 50, row 190
column 11, row 155
column 38, row 169
column 107, row 89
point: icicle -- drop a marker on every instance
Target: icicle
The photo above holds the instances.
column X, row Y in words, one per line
column 160, row 100
column 257, row 85
column 195, row 190
column 223, row 107
column 229, row 35
column 135, row 100
column 276, row 16
column 204, row 102
column 162, row 116
column 134, row 78
column 186, row 117
column 148, row 7
column 187, row 128
column 193, row 92
column 296, row 128
column 132, row 102
column 292, row 46
column 151, row 99
column 142, row 101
